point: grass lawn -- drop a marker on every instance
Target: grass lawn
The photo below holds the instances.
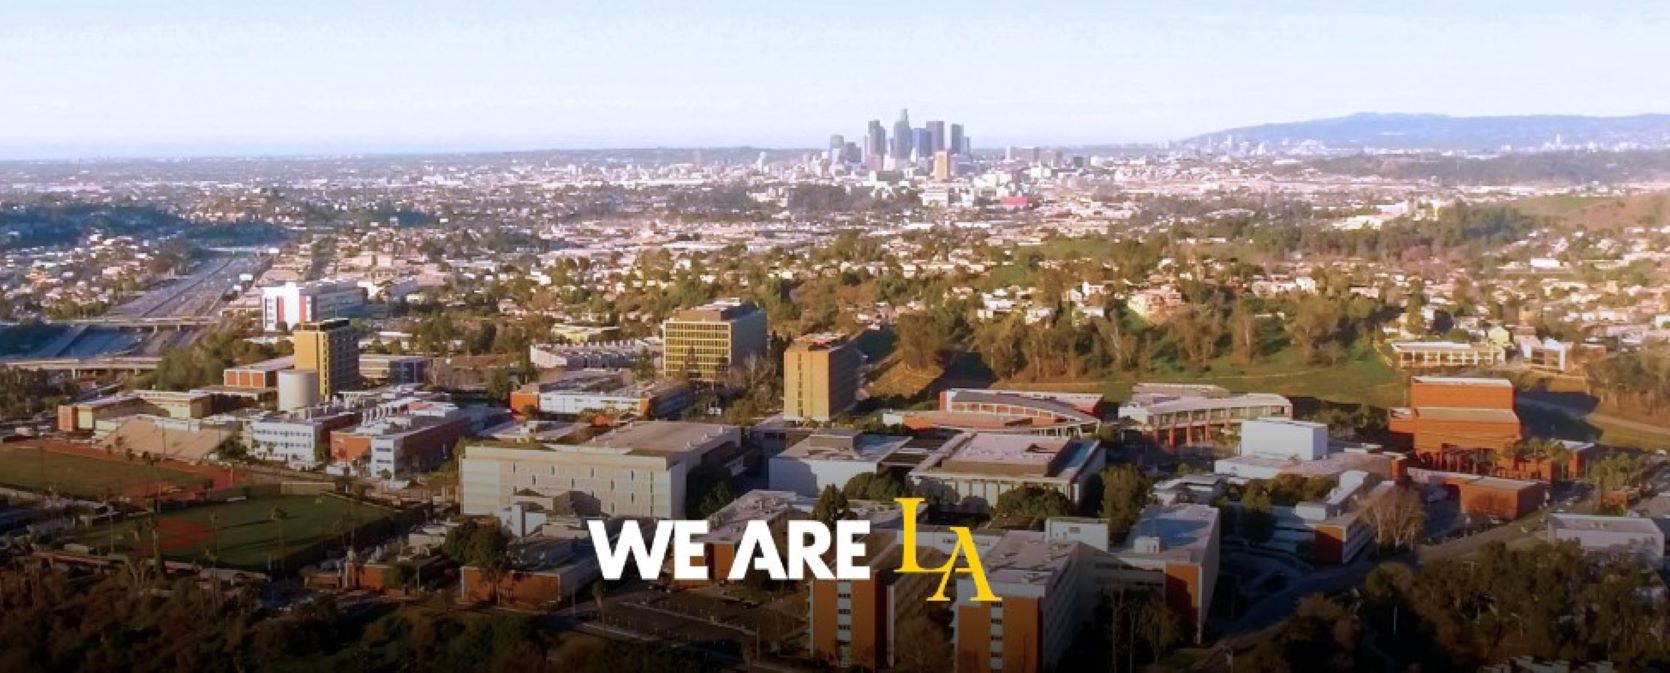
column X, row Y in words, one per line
column 41, row 471
column 248, row 537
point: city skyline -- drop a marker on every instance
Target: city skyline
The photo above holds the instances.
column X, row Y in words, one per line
column 188, row 78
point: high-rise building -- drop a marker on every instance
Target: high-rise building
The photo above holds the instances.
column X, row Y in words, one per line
column 330, row 348
column 837, row 141
column 876, row 140
column 820, row 377
column 936, row 130
column 902, row 137
column 923, row 142
column 942, row 166
column 956, row 140
column 707, row 341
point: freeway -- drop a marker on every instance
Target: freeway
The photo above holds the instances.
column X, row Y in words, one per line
column 197, row 295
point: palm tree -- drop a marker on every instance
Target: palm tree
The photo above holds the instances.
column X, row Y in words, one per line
column 278, row 515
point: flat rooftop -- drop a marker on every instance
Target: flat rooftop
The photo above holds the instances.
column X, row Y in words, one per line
column 717, row 310
column 1164, row 403
column 1610, row 524
column 1181, row 529
column 1467, row 414
column 273, row 365
column 997, row 449
column 1479, row 381
column 1277, row 420
column 662, row 437
column 1437, row 346
column 1026, row 558
column 821, row 341
column 999, row 455
column 845, row 445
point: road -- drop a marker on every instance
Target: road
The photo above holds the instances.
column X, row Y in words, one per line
column 195, row 295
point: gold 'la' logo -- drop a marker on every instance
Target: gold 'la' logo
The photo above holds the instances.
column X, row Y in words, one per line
column 964, row 549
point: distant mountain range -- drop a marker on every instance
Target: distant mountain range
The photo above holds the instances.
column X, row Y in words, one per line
column 1442, row 132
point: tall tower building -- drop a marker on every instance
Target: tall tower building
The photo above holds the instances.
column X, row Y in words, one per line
column 923, row 142
column 875, row 141
column 956, row 140
column 936, row 130
column 820, row 377
column 942, row 166
column 837, row 141
column 902, row 136
column 330, row 348
column 706, row 342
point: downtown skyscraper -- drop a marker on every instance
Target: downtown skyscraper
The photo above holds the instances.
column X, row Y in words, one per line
column 902, row 137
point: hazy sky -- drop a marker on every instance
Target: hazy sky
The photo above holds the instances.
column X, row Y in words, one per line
column 172, row 77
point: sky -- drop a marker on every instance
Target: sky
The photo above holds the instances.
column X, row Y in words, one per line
column 96, row 78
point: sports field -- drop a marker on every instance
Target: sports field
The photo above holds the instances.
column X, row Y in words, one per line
column 42, row 468
column 244, row 534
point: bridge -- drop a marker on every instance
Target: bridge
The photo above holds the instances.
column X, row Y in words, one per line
column 152, row 324
column 132, row 364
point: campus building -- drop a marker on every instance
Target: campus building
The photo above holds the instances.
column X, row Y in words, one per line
column 821, row 377
column 394, row 370
column 257, row 375
column 1271, row 447
column 1184, row 415
column 329, row 348
column 298, row 438
column 1469, row 424
column 831, row 458
column 588, row 355
column 607, row 392
column 400, row 439
column 637, row 470
column 1021, row 412
column 972, row 470
column 1050, row 583
column 1501, row 498
column 1637, row 537
column 292, row 304
column 101, row 415
column 1420, row 355
column 707, row 342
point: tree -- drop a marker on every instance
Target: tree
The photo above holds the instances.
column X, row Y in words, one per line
column 478, row 544
column 499, row 385
column 1125, row 492
column 884, row 486
column 924, row 343
column 1033, row 502
column 924, row 641
column 1397, row 517
column 1243, row 331
column 831, row 506
column 1256, row 514
column 707, row 490
column 1314, row 326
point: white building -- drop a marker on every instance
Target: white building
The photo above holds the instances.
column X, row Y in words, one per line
column 291, row 304
column 637, row 470
column 973, row 469
column 1284, row 438
column 830, row 458
column 1633, row 536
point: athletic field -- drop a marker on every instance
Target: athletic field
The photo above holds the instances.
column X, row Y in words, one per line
column 246, row 534
column 85, row 472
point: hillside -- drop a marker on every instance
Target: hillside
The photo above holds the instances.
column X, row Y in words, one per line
column 1430, row 131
